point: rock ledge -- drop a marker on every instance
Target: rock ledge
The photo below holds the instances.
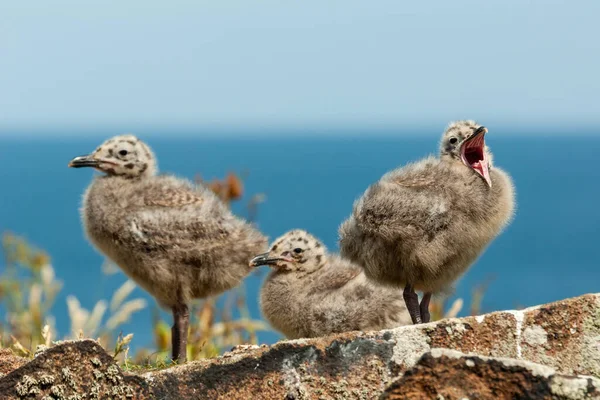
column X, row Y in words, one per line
column 545, row 352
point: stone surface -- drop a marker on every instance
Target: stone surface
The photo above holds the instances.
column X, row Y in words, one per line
column 451, row 375
column 564, row 336
column 72, row 371
column 344, row 366
column 9, row 362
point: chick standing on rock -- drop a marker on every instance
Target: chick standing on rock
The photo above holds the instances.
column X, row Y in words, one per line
column 311, row 293
column 175, row 239
column 423, row 225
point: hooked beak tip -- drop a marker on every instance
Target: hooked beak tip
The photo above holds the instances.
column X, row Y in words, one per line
column 481, row 130
column 261, row 259
column 83, row 161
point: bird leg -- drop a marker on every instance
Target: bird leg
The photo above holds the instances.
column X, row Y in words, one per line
column 412, row 304
column 424, row 307
column 179, row 332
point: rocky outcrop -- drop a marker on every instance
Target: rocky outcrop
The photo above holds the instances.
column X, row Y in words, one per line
column 9, row 362
column 493, row 356
column 448, row 374
column 72, row 370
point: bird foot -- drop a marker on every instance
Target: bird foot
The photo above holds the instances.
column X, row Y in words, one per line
column 179, row 332
column 175, row 342
column 424, row 308
column 412, row 304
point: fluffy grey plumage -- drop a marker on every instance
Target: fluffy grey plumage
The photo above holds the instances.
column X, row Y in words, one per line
column 175, row 239
column 421, row 226
column 311, row 293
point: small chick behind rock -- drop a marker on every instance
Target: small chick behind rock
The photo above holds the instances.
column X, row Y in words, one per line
column 311, row 293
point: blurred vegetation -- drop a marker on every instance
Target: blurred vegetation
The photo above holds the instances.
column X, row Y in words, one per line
column 440, row 307
column 29, row 288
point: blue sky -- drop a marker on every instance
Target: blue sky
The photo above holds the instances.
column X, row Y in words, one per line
column 250, row 66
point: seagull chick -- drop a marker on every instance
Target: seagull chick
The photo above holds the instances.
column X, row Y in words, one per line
column 176, row 240
column 423, row 225
column 311, row 293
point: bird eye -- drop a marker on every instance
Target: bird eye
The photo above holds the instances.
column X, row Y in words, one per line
column 453, row 140
column 298, row 250
column 123, row 152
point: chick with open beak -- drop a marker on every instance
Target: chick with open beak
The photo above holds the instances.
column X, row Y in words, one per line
column 421, row 226
column 311, row 293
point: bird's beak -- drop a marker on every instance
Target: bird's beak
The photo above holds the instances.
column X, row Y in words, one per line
column 473, row 154
column 264, row 259
column 84, row 161
column 482, row 130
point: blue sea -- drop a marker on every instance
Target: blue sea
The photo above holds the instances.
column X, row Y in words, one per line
column 548, row 253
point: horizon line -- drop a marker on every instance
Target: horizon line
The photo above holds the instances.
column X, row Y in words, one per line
column 290, row 131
